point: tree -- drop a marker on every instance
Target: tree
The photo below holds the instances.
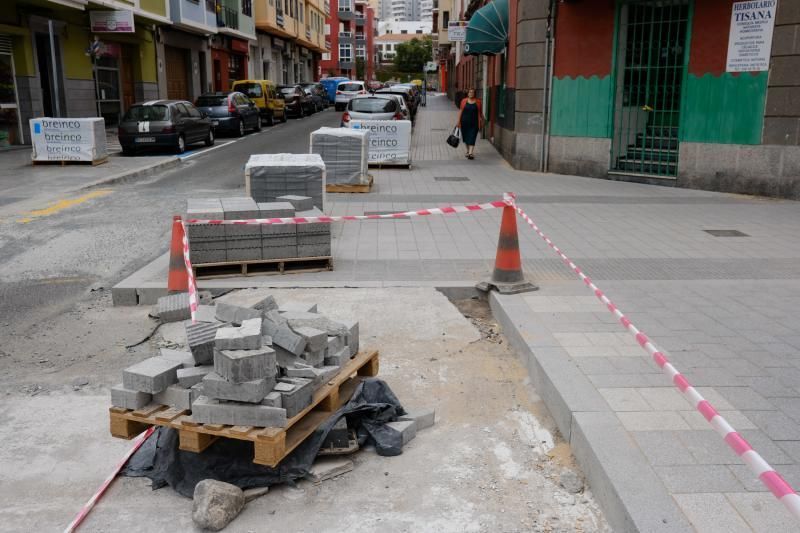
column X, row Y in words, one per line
column 412, row 56
column 361, row 68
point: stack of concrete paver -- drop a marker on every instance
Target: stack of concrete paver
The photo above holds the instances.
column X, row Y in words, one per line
column 345, row 153
column 270, row 176
column 219, row 243
column 252, row 366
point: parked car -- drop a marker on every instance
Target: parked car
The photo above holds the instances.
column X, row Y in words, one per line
column 330, row 85
column 346, row 90
column 415, row 91
column 400, row 100
column 372, row 108
column 173, row 124
column 264, row 93
column 298, row 104
column 316, row 92
column 374, row 85
column 407, row 95
column 231, row 113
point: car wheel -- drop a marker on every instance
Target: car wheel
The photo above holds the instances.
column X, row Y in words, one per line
column 271, row 119
column 210, row 137
column 240, row 131
column 258, row 123
column 283, row 117
column 301, row 113
column 128, row 151
column 181, row 146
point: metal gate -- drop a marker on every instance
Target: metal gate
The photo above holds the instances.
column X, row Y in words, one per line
column 651, row 62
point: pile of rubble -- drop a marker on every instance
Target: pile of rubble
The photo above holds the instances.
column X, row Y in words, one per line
column 255, row 366
column 219, row 243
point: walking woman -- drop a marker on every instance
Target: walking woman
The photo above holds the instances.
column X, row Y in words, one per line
column 470, row 121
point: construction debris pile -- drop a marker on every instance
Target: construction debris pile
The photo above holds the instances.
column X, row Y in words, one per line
column 256, row 366
column 345, row 153
column 219, row 243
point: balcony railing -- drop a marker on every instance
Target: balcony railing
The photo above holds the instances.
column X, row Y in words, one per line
column 308, row 34
column 279, row 19
column 228, row 18
column 345, row 34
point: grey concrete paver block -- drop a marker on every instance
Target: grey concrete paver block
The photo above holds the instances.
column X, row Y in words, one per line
column 300, row 203
column 424, row 417
column 762, row 511
column 315, row 320
column 129, row 399
column 406, row 428
column 298, row 397
column 206, row 313
column 188, row 377
column 248, row 336
column 272, row 399
column 210, row 411
column 282, row 335
column 234, row 314
column 176, row 396
column 200, row 339
column 186, row 359
column 698, row 478
column 254, row 391
column 625, row 399
column 174, row 308
column 245, row 365
column 775, row 424
column 151, row 375
column 316, row 340
column 711, row 513
column 299, row 307
column 328, row 468
column 663, row 448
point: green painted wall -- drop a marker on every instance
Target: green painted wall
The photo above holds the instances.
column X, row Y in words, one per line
column 159, row 7
column 23, row 55
column 77, row 65
column 145, row 69
column 581, row 107
column 724, row 109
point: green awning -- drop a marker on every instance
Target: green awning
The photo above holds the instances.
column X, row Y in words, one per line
column 487, row 31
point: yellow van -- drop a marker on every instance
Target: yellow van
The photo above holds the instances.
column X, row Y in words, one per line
column 266, row 98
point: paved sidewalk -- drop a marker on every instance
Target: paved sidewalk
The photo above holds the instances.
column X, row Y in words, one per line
column 724, row 308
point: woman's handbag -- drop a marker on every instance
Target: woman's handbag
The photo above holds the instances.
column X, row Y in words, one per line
column 454, row 138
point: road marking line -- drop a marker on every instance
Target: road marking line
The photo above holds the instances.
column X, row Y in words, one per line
column 61, row 205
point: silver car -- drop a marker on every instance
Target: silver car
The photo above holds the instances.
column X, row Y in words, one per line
column 372, row 108
column 345, row 92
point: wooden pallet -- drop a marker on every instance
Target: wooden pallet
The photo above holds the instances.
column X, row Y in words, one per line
column 348, row 188
column 270, row 445
column 292, row 265
column 64, row 163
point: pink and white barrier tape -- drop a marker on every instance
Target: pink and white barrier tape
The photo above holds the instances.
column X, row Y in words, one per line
column 193, row 300
column 768, row 476
column 93, row 500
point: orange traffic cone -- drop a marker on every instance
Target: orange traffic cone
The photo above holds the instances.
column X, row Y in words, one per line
column 507, row 277
column 178, row 279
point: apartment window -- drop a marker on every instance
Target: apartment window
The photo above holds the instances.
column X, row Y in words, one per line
column 445, row 19
column 419, row 31
column 361, row 51
column 300, row 12
column 404, row 31
column 345, row 5
column 326, row 56
column 247, row 7
column 345, row 52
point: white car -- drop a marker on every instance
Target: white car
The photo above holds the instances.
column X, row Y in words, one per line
column 345, row 92
column 372, row 108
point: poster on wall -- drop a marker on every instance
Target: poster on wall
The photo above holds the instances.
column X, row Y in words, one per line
column 457, row 31
column 750, row 40
column 120, row 21
column 389, row 140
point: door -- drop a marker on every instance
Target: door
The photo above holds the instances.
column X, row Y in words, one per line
column 51, row 82
column 650, row 70
column 185, row 123
column 177, row 76
column 126, row 75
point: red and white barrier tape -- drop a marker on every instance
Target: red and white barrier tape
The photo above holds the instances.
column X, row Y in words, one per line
column 193, row 300
column 768, row 476
column 93, row 500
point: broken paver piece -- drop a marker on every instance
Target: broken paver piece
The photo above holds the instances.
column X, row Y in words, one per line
column 217, row 387
column 235, row 314
column 316, row 340
column 266, row 305
column 316, row 321
column 200, row 339
column 245, row 337
column 176, row 396
column 300, row 307
column 298, row 397
column 406, row 428
column 174, row 308
column 216, row 503
column 151, row 375
column 329, row 468
column 188, row 377
column 186, row 359
column 206, row 314
column 245, row 365
column 129, row 399
column 423, row 417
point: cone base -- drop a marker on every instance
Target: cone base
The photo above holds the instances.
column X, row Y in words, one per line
column 506, row 288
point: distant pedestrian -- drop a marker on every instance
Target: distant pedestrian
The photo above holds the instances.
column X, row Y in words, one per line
column 470, row 121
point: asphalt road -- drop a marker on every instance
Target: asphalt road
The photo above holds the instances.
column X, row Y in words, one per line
column 54, row 261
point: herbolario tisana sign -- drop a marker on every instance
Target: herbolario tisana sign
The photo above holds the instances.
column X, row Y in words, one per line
column 750, row 40
column 68, row 139
column 389, row 140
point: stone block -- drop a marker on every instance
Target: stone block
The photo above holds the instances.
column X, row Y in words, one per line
column 352, row 336
column 299, row 307
column 295, row 394
column 279, row 252
column 176, row 396
column 272, row 399
column 329, row 468
column 129, row 399
column 318, row 228
column 785, row 71
column 186, row 359
column 235, row 314
column 174, row 308
column 209, row 256
column 424, row 418
column 151, row 375
column 285, row 359
column 306, row 371
column 206, row 314
column 276, row 209
column 334, row 345
column 239, row 208
column 282, row 335
column 188, row 377
column 300, row 203
column 278, row 230
column 202, row 232
column 338, row 359
column 245, row 337
column 338, row 436
column 406, row 428
column 216, row 386
column 243, row 242
column 316, row 340
column 200, row 339
column 266, row 305
column 244, row 254
column 314, row 358
column 316, row 321
column 210, row 411
column 245, row 365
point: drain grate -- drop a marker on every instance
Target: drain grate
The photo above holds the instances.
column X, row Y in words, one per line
column 451, row 178
column 383, row 213
column 726, row 233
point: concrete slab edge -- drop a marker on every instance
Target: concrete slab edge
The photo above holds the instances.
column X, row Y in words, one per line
column 128, row 176
column 629, row 491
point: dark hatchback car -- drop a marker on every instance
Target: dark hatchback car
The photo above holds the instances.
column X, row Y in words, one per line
column 173, row 124
column 232, row 112
column 318, row 95
column 298, row 103
column 406, row 93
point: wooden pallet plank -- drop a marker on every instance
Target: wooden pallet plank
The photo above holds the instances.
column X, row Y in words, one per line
column 270, row 452
column 240, row 430
column 331, row 401
column 370, row 369
column 168, row 415
column 148, row 410
column 297, row 265
column 194, row 441
column 124, row 428
column 350, row 188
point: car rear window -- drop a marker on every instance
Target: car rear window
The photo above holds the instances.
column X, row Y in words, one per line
column 253, row 90
column 147, row 113
column 212, row 101
column 286, row 90
column 373, row 105
column 351, row 87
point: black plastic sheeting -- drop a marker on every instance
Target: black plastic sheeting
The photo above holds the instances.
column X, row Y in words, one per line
column 231, row 460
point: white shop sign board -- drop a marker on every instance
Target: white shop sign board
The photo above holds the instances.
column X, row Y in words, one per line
column 457, row 31
column 389, row 141
column 119, row 21
column 750, row 40
column 68, row 139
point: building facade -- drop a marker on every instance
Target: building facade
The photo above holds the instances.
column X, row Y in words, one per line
column 352, row 31
column 402, row 27
column 648, row 91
